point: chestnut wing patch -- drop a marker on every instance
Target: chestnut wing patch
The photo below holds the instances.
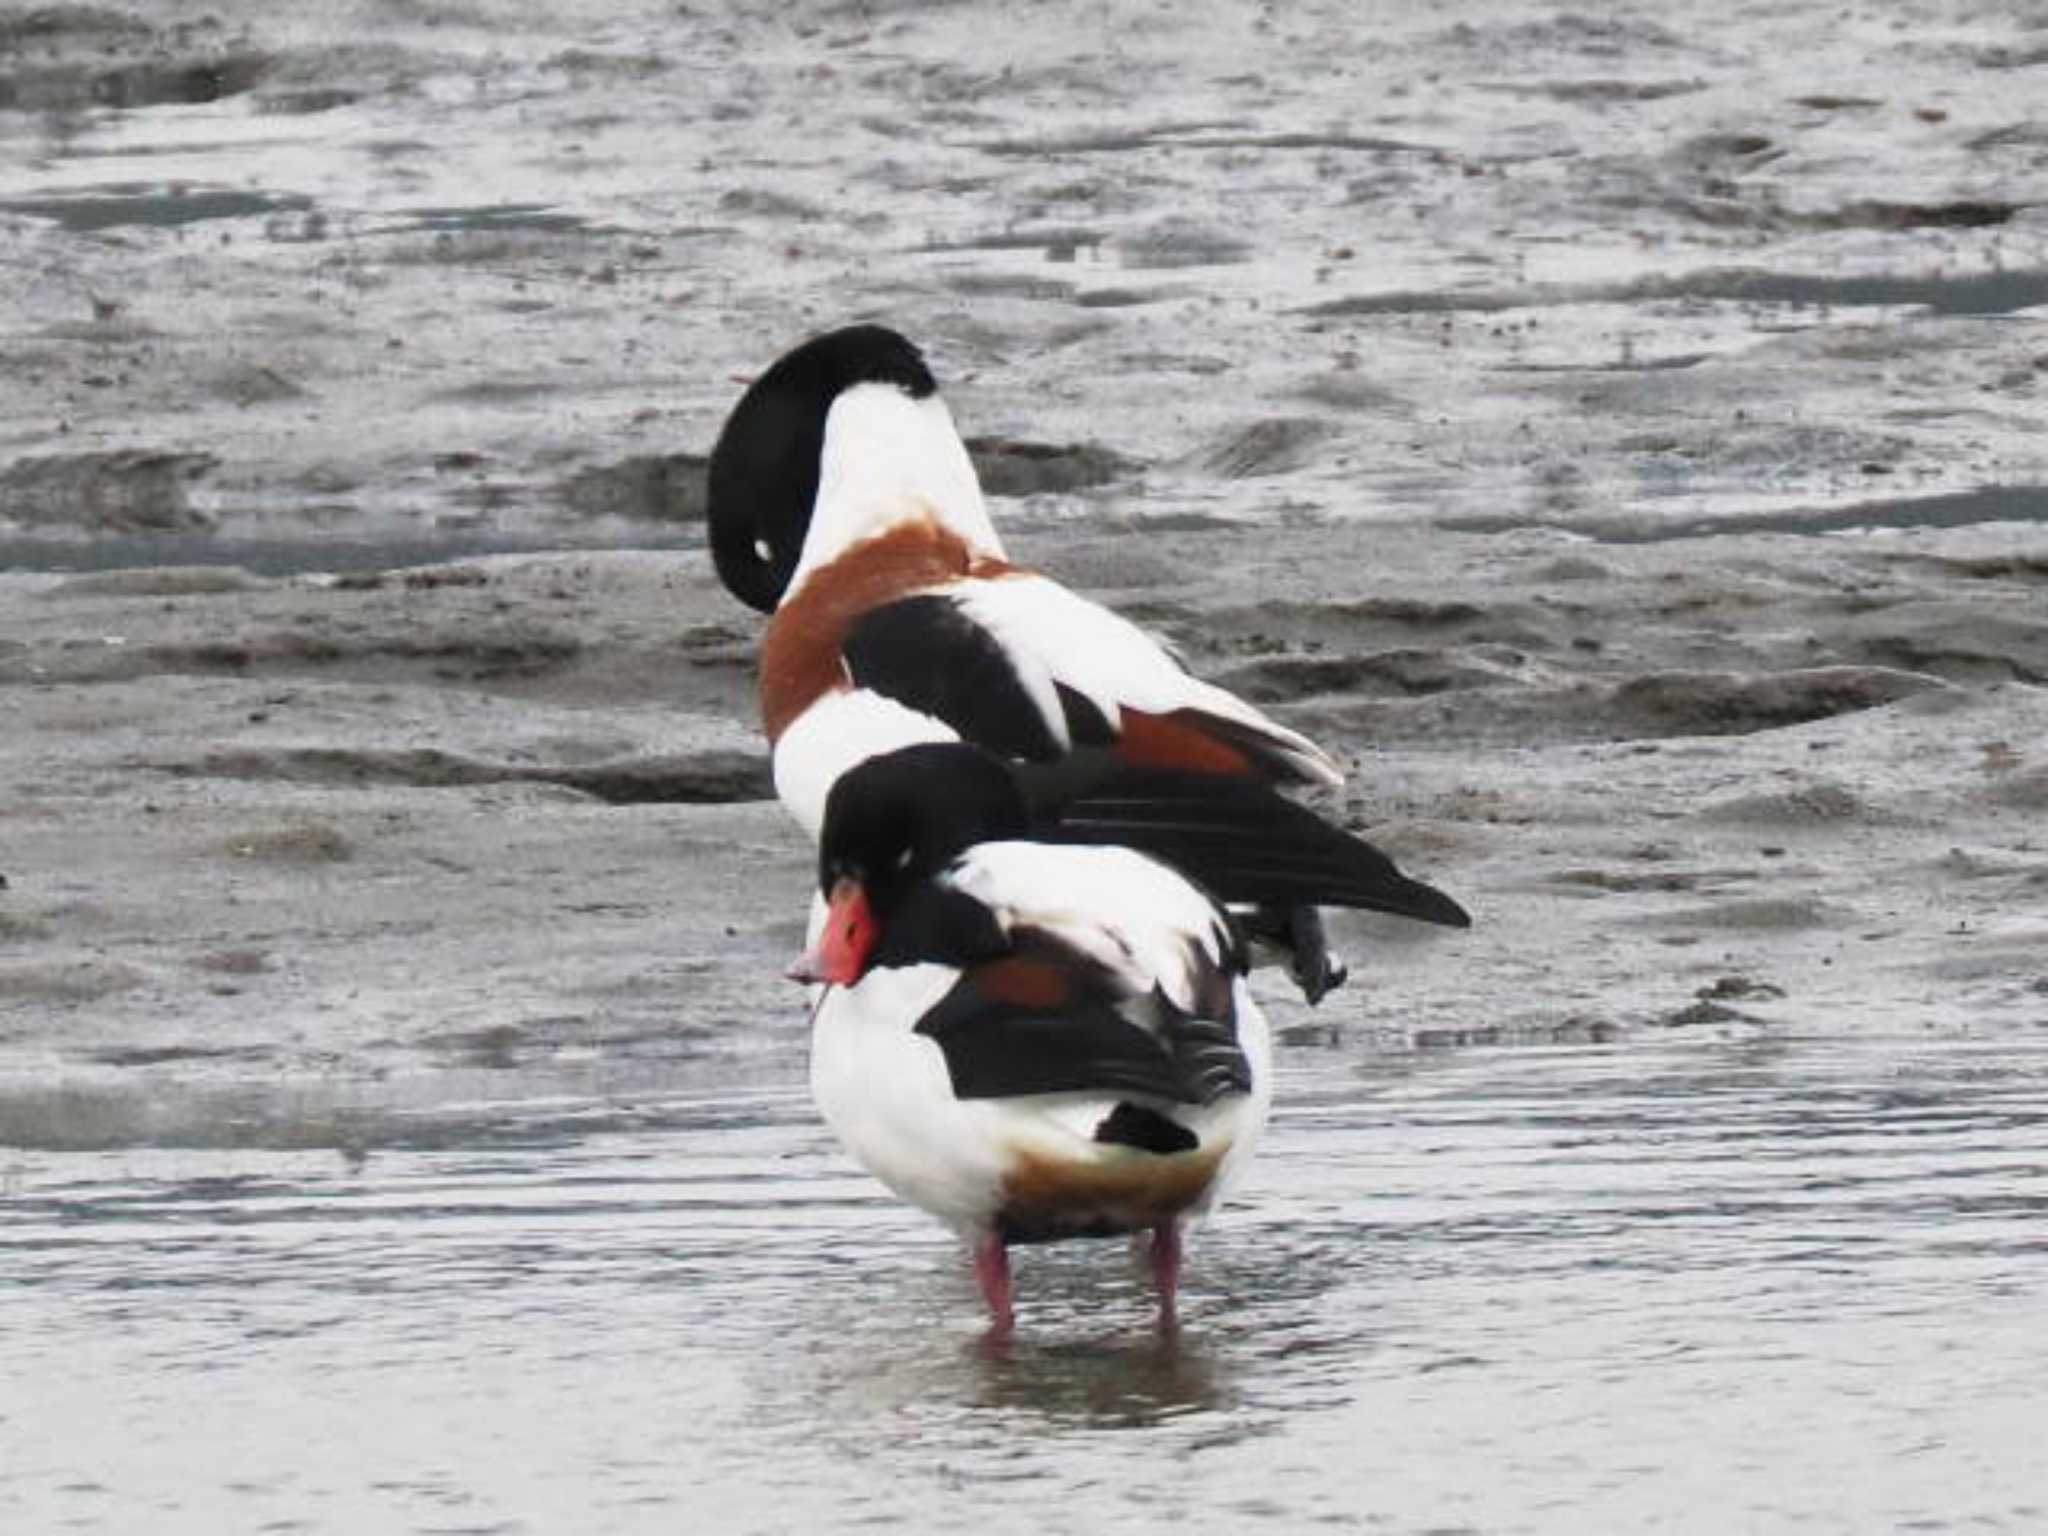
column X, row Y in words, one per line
column 928, row 654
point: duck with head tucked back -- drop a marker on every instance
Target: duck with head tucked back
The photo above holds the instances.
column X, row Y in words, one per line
column 844, row 504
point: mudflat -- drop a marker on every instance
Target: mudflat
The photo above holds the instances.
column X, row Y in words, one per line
column 1619, row 439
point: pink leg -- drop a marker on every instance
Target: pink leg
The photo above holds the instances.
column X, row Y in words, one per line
column 1166, row 1270
column 992, row 1272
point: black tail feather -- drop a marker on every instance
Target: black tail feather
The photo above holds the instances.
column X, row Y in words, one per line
column 1134, row 1125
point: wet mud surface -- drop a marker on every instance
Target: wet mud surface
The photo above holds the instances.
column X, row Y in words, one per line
column 1619, row 439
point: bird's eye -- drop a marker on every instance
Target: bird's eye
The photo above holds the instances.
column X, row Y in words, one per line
column 903, row 859
column 764, row 551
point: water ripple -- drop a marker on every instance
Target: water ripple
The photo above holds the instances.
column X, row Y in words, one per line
column 1535, row 1289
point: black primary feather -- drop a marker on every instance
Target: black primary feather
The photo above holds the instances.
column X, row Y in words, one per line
column 1241, row 840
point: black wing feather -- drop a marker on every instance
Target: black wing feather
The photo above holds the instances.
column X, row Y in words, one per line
column 996, row 1049
column 1240, row 839
column 1000, row 1050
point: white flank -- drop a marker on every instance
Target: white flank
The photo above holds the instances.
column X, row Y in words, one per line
column 883, row 1088
column 888, row 457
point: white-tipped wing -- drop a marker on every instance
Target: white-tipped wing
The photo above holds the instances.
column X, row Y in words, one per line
column 1137, row 920
column 1120, row 669
column 1025, row 668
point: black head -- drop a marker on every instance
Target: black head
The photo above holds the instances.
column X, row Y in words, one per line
column 764, row 469
column 900, row 818
column 891, row 823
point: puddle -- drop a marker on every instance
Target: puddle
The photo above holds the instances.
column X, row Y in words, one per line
column 151, row 205
column 150, row 82
column 298, row 557
column 1015, row 467
column 1955, row 509
column 1059, row 242
column 500, row 218
column 1982, row 293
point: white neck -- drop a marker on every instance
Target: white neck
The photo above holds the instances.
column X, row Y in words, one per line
column 888, row 458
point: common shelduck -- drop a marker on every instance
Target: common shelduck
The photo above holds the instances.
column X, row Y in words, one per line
column 1031, row 1041
column 843, row 502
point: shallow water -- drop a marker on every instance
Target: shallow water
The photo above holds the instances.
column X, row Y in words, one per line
column 1758, row 1284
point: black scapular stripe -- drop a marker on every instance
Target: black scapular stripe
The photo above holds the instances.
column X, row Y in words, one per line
column 925, row 653
column 999, row 1050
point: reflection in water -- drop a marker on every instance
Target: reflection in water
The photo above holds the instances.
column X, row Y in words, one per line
column 1121, row 1373
column 1120, row 1379
column 1543, row 1289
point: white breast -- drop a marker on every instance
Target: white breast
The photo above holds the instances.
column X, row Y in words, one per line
column 842, row 729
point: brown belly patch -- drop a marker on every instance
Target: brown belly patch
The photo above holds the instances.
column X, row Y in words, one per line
column 1048, row 1198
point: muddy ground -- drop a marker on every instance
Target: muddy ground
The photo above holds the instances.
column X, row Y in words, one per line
column 1621, row 440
